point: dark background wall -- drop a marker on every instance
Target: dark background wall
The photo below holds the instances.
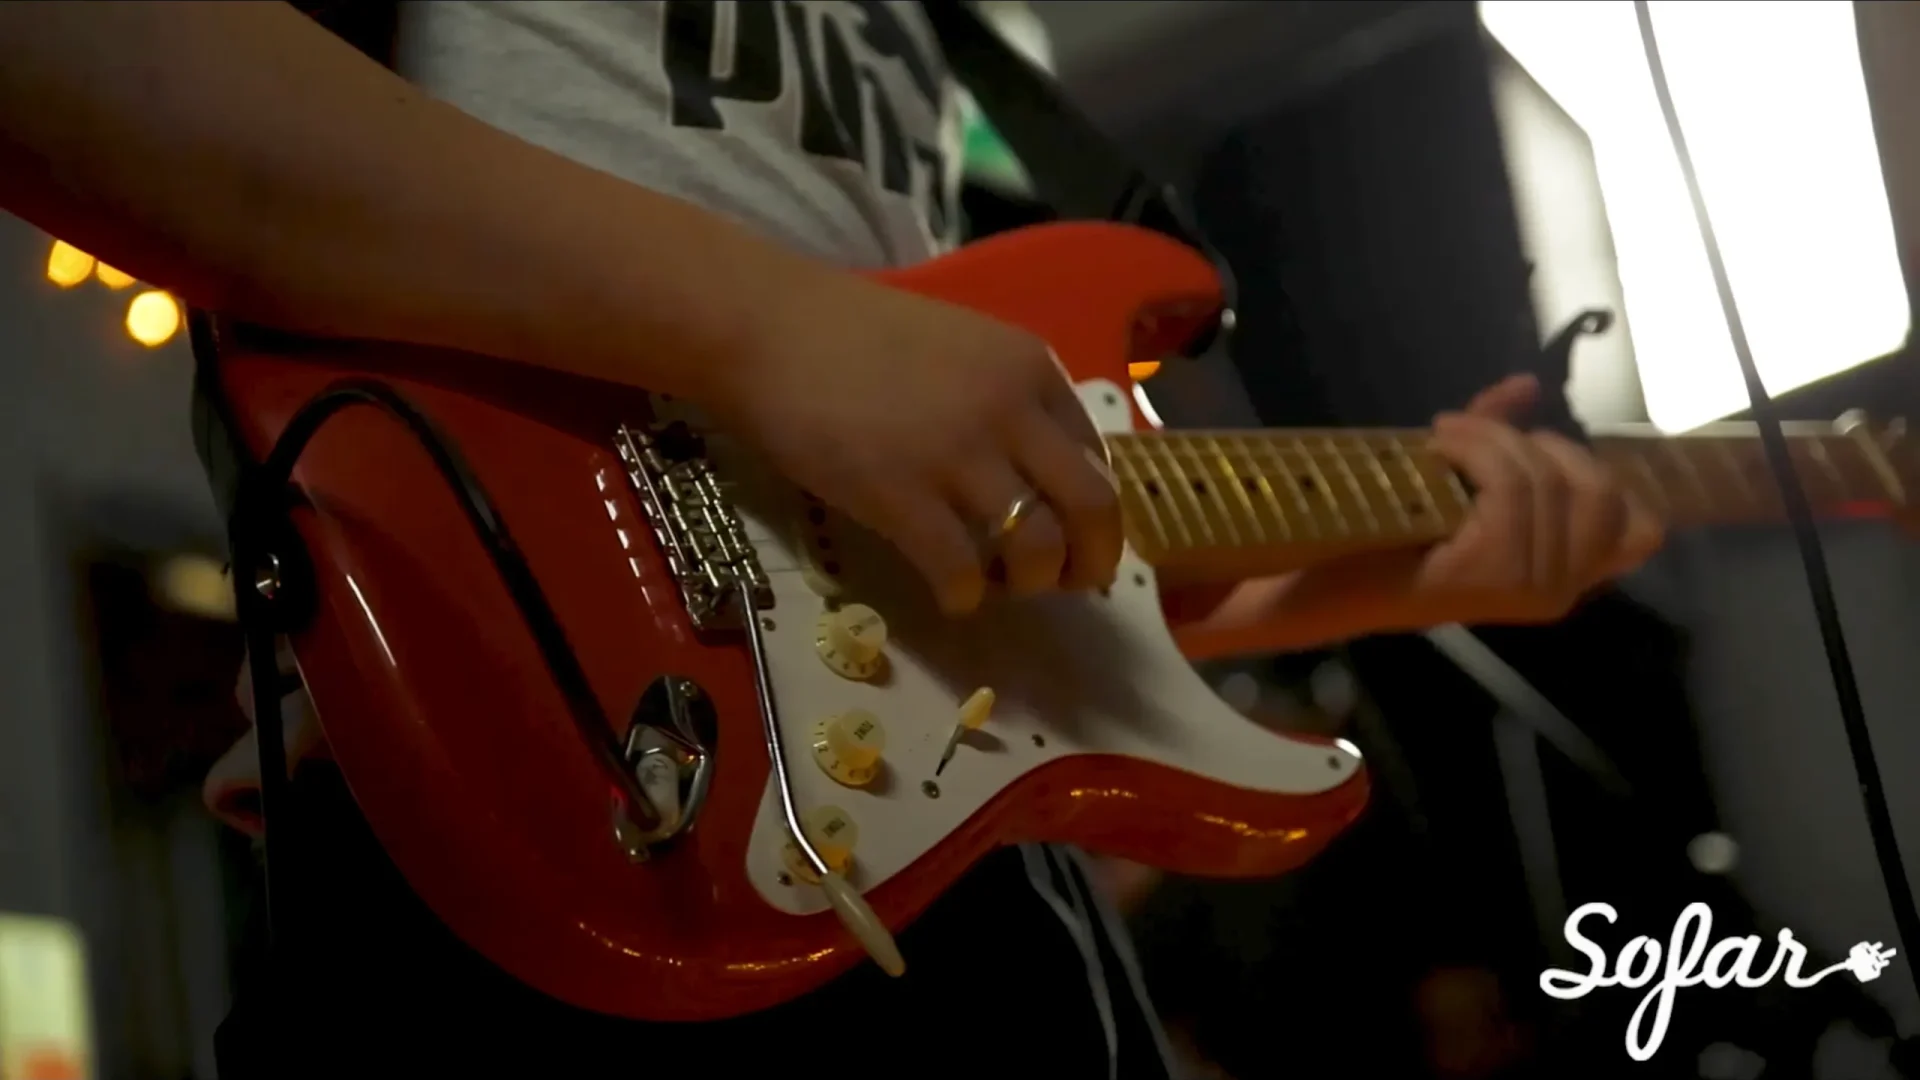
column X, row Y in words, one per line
column 1355, row 159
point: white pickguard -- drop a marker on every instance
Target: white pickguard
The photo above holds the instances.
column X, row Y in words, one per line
column 1071, row 674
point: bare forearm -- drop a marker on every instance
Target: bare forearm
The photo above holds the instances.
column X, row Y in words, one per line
column 1258, row 617
column 1297, row 612
column 241, row 156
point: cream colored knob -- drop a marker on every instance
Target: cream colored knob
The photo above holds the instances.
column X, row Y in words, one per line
column 847, row 747
column 833, row 835
column 851, row 640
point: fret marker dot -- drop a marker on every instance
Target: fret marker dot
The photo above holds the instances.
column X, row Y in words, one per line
column 1305, row 482
column 1153, row 490
column 1199, row 487
column 1250, row 484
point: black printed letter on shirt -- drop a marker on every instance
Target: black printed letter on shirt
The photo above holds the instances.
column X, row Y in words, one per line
column 753, row 71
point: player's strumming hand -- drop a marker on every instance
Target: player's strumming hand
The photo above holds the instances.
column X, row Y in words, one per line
column 928, row 423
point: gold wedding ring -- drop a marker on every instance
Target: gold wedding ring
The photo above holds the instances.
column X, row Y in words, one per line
column 1018, row 511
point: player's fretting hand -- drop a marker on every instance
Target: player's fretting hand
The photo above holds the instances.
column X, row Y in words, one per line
column 1549, row 522
column 933, row 426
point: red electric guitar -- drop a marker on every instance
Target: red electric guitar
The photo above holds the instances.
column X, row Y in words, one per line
column 766, row 803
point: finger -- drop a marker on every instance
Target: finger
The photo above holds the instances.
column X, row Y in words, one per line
column 1552, row 577
column 1511, row 399
column 1494, row 548
column 1552, row 490
column 1077, row 485
column 1063, row 403
column 934, row 539
column 1645, row 534
column 1597, row 511
column 1035, row 552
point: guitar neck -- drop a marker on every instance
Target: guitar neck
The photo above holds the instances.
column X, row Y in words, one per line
column 1219, row 504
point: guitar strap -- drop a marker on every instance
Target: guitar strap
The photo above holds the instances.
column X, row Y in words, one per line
column 1077, row 170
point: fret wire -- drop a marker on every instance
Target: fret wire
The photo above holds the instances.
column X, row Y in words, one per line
column 1161, row 491
column 1687, row 469
column 1863, row 481
column 1414, row 475
column 1424, row 492
column 1206, row 490
column 1387, row 490
column 1326, row 491
column 1363, row 506
column 1242, row 443
column 1852, row 481
column 1225, row 489
column 1884, row 476
column 1165, row 456
column 1419, row 453
column 1271, row 449
column 1239, row 486
column 1817, row 447
column 1731, row 456
column 1656, row 489
column 1124, row 451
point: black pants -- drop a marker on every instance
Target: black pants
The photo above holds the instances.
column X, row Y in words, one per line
column 1016, row 972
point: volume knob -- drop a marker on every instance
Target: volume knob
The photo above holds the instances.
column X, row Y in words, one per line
column 851, row 641
column 847, row 747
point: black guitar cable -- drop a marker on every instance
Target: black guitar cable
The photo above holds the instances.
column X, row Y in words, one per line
column 263, row 543
column 1886, row 844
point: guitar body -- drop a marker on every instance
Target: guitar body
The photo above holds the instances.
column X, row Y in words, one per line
column 464, row 759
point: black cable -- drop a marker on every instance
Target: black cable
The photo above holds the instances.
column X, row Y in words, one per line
column 262, row 536
column 1886, row 844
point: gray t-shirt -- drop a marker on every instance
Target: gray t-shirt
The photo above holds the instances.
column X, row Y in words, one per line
column 828, row 124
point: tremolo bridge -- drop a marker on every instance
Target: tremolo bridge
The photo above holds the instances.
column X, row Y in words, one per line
column 699, row 534
column 710, row 556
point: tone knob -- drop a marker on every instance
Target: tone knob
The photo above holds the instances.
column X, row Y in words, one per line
column 833, row 835
column 851, row 640
column 847, row 747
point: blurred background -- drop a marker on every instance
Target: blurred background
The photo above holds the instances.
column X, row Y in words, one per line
column 1438, row 188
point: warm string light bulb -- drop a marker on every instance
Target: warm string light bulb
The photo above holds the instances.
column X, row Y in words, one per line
column 153, row 317
column 68, row 266
column 111, row 278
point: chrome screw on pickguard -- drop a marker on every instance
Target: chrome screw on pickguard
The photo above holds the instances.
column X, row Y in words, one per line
column 930, row 789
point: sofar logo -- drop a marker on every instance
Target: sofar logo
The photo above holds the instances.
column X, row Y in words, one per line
column 1688, row 962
